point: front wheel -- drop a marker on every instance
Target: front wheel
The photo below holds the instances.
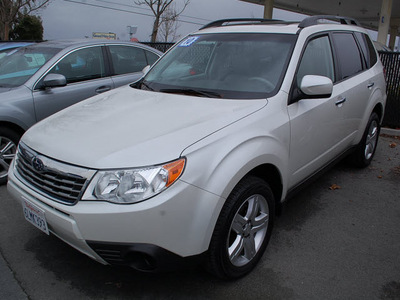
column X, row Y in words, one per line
column 365, row 150
column 8, row 146
column 243, row 229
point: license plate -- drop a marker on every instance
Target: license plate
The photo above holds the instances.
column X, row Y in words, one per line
column 35, row 215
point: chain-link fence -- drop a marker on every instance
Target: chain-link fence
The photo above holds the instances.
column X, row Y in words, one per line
column 391, row 62
column 163, row 47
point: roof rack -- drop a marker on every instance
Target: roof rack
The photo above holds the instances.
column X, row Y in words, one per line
column 240, row 21
column 309, row 21
column 314, row 20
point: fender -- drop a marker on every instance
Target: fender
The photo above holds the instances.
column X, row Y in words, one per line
column 15, row 109
column 237, row 150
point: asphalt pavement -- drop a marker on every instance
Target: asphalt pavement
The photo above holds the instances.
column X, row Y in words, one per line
column 337, row 239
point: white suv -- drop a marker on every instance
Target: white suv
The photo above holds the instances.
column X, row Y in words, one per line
column 194, row 160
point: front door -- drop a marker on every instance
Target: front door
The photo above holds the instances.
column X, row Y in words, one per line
column 316, row 124
column 85, row 72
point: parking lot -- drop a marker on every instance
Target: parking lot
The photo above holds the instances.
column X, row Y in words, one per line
column 338, row 239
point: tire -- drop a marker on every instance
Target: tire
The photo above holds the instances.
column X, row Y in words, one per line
column 8, row 146
column 365, row 150
column 243, row 229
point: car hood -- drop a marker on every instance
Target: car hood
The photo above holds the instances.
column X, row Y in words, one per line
column 130, row 128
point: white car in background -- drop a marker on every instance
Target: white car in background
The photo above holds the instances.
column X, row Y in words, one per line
column 193, row 161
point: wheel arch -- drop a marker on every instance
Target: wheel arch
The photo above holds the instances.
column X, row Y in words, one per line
column 12, row 126
column 270, row 174
column 378, row 109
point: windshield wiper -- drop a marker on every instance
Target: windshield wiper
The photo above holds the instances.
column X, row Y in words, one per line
column 140, row 84
column 146, row 86
column 192, row 92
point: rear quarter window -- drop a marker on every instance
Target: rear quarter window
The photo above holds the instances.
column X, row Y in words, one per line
column 367, row 48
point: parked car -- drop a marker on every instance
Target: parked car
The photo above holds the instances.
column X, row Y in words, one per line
column 8, row 47
column 39, row 80
column 381, row 47
column 193, row 161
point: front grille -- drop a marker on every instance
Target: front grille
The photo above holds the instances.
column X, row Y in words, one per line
column 61, row 186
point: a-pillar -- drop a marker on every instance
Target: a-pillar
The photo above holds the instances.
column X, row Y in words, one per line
column 384, row 20
column 268, row 6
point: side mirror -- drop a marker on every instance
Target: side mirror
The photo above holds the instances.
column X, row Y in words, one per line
column 54, row 80
column 316, row 86
column 146, row 69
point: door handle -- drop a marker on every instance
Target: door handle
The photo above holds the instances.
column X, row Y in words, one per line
column 339, row 102
column 103, row 89
column 370, row 85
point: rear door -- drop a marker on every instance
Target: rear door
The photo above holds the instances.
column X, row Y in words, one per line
column 85, row 71
column 357, row 80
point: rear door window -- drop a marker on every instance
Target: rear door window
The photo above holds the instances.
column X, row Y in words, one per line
column 348, row 53
column 151, row 57
column 127, row 59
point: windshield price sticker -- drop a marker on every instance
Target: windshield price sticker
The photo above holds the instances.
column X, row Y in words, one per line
column 35, row 216
column 189, row 41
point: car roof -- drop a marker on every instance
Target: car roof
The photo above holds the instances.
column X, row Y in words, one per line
column 76, row 43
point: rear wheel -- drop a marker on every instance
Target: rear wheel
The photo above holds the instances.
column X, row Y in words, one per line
column 8, row 146
column 243, row 229
column 365, row 150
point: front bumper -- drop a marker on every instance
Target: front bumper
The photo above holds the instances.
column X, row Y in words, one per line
column 180, row 221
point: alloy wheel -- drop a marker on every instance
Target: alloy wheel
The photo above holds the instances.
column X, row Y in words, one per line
column 371, row 140
column 7, row 153
column 248, row 230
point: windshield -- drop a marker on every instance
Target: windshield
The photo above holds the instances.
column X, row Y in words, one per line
column 234, row 66
column 17, row 66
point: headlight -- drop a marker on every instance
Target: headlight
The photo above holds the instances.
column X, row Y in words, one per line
column 134, row 185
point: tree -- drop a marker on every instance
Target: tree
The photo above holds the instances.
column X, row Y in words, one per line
column 169, row 25
column 159, row 7
column 28, row 28
column 10, row 10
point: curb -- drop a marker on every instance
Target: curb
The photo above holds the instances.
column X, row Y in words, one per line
column 389, row 131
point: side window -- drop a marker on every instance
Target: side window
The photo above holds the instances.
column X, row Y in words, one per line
column 151, row 57
column 81, row 65
column 373, row 58
column 317, row 60
column 349, row 56
column 367, row 49
column 127, row 59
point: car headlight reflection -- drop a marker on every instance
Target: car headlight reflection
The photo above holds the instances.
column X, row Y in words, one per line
column 135, row 185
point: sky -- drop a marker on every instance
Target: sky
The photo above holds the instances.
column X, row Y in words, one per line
column 64, row 19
